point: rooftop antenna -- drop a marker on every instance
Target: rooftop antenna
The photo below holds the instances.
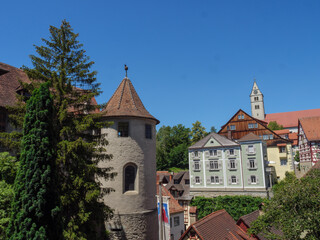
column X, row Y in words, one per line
column 126, row 68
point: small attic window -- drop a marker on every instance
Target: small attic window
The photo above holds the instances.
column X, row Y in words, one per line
column 211, row 141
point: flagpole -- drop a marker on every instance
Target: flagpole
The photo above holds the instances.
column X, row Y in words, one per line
column 161, row 218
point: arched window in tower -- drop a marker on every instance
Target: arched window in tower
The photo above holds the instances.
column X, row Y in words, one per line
column 130, row 173
column 256, row 98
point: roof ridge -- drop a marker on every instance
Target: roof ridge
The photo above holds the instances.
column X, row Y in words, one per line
column 130, row 90
column 120, row 99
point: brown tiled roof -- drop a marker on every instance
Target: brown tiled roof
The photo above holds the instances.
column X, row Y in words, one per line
column 125, row 102
column 249, row 137
column 249, row 218
column 217, row 225
column 290, row 119
column 294, row 138
column 282, row 131
column 174, row 206
column 9, row 83
column 311, row 127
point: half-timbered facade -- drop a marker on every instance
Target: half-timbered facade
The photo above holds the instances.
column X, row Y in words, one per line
column 279, row 149
column 309, row 142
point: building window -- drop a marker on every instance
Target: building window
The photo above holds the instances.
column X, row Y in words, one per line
column 256, row 98
column 251, row 149
column 197, row 179
column 196, row 153
column 240, row 116
column 196, row 166
column 232, row 127
column 233, row 179
column 282, row 149
column 130, row 172
column 187, row 181
column 214, row 179
column 252, row 163
column 231, row 151
column 215, row 152
column 148, row 131
column 252, row 125
column 176, row 221
column 257, row 107
column 176, row 181
column 211, row 153
column 283, row 162
column 265, row 137
column 232, row 164
column 214, row 165
column 253, row 179
column 123, row 129
column 270, row 136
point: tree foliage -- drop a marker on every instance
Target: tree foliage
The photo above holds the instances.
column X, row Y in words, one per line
column 34, row 206
column 197, row 132
column 79, row 143
column 172, row 147
column 213, row 129
column 8, row 169
column 273, row 125
column 294, row 209
column 236, row 206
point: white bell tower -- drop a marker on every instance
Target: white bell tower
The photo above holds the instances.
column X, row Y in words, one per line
column 257, row 103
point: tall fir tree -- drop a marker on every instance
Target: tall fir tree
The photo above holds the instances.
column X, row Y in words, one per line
column 78, row 123
column 35, row 206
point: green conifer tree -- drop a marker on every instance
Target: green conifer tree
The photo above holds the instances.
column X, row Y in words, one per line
column 34, row 205
column 77, row 124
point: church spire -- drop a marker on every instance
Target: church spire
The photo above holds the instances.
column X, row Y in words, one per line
column 257, row 102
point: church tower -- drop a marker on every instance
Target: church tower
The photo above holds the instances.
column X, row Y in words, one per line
column 257, row 103
column 132, row 142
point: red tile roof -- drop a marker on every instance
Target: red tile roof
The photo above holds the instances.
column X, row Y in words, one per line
column 290, row 119
column 217, row 225
column 174, row 206
column 125, row 102
column 9, row 83
column 281, row 132
column 311, row 127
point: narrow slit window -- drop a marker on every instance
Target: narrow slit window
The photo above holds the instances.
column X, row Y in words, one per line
column 130, row 173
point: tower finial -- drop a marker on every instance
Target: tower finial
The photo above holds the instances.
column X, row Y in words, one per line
column 254, row 79
column 126, row 69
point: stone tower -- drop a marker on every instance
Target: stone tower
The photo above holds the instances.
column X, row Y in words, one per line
column 132, row 142
column 257, row 103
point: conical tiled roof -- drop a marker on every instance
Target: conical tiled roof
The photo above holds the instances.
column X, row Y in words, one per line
column 125, row 102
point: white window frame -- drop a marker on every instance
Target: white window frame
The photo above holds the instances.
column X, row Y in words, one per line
column 231, row 151
column 233, row 179
column 232, row 163
column 253, row 177
column 197, row 180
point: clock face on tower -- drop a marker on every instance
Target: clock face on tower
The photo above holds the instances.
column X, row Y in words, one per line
column 255, row 91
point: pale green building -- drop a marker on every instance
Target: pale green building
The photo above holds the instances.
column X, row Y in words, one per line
column 220, row 166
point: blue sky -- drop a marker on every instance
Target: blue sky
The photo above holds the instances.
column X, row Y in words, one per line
column 188, row 60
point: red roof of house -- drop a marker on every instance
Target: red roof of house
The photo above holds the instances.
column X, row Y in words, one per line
column 282, row 131
column 290, row 119
column 125, row 102
column 9, row 83
column 174, row 206
column 217, row 225
column 294, row 138
column 311, row 128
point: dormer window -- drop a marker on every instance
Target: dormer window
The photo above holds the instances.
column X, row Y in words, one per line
column 123, row 129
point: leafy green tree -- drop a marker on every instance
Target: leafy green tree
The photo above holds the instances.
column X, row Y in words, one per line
column 294, row 209
column 8, row 169
column 79, row 143
column 213, row 129
column 197, row 132
column 236, row 206
column 273, row 125
column 34, row 207
column 172, row 147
